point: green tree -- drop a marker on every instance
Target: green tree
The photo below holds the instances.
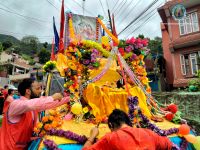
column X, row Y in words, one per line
column 44, row 56
column 45, row 44
column 29, row 45
column 155, row 45
column 141, row 36
column 1, row 48
column 6, row 45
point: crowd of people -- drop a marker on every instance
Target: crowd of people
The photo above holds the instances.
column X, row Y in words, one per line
column 20, row 117
column 7, row 95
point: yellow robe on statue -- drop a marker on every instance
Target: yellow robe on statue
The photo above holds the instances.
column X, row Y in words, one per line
column 104, row 97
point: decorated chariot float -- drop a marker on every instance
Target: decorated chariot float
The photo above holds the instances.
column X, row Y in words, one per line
column 101, row 73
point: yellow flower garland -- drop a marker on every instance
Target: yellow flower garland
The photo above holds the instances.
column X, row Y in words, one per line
column 92, row 44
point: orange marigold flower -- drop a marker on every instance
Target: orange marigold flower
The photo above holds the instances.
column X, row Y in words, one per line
column 51, row 118
column 134, row 120
column 54, row 124
column 45, row 119
column 39, row 125
column 47, row 127
column 36, row 130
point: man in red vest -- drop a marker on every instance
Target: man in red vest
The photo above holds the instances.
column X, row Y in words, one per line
column 21, row 115
column 125, row 137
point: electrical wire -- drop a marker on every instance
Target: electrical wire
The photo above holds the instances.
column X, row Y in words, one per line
column 127, row 14
column 151, row 14
column 145, row 10
column 122, row 8
column 120, row 4
column 102, row 8
column 52, row 5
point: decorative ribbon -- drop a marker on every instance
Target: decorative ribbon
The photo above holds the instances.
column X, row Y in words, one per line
column 108, row 32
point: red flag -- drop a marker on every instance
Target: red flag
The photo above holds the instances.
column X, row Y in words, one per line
column 52, row 51
column 62, row 22
column 114, row 29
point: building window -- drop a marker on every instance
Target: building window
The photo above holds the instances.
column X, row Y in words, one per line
column 183, row 67
column 189, row 24
column 193, row 61
column 189, row 64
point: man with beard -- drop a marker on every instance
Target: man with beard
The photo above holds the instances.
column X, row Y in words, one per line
column 21, row 115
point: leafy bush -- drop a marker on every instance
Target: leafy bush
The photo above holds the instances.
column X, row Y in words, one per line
column 194, row 85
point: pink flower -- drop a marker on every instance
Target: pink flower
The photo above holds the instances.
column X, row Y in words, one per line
column 138, row 41
column 130, row 41
column 144, row 42
column 68, row 116
column 128, row 49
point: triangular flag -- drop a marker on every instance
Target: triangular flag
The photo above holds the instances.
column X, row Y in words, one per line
column 62, row 22
column 52, row 51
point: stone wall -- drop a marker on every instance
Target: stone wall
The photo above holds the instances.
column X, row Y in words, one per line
column 188, row 103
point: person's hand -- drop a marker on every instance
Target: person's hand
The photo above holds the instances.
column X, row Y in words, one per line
column 57, row 96
column 94, row 132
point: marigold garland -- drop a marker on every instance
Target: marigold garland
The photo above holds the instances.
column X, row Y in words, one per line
column 71, row 28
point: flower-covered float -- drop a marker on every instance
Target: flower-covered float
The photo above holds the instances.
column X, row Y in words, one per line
column 100, row 76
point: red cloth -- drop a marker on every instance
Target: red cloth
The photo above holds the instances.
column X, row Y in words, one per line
column 132, row 138
column 16, row 136
column 5, row 93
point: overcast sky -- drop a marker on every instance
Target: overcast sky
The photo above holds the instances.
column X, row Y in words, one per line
column 34, row 17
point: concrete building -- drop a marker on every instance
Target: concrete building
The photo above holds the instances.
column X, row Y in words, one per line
column 181, row 42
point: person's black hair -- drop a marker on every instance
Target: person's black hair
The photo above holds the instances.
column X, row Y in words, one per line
column 117, row 118
column 25, row 84
column 10, row 91
column 5, row 86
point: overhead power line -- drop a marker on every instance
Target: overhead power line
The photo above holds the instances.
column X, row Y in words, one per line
column 146, row 9
column 52, row 5
column 145, row 18
column 18, row 14
column 103, row 8
column 114, row 5
column 120, row 4
column 145, row 22
column 129, row 12
column 122, row 8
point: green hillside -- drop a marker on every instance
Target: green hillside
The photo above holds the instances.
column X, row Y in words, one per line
column 12, row 39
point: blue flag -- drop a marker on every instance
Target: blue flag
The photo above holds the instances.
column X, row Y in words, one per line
column 56, row 35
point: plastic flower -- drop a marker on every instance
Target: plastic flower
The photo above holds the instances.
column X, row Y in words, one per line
column 86, row 61
column 169, row 116
column 172, row 108
column 54, row 124
column 36, row 130
column 39, row 125
column 72, row 65
column 131, row 41
column 68, row 116
column 47, row 127
column 45, row 119
column 121, row 50
column 128, row 49
column 51, row 118
column 85, row 110
column 144, row 42
column 76, row 108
